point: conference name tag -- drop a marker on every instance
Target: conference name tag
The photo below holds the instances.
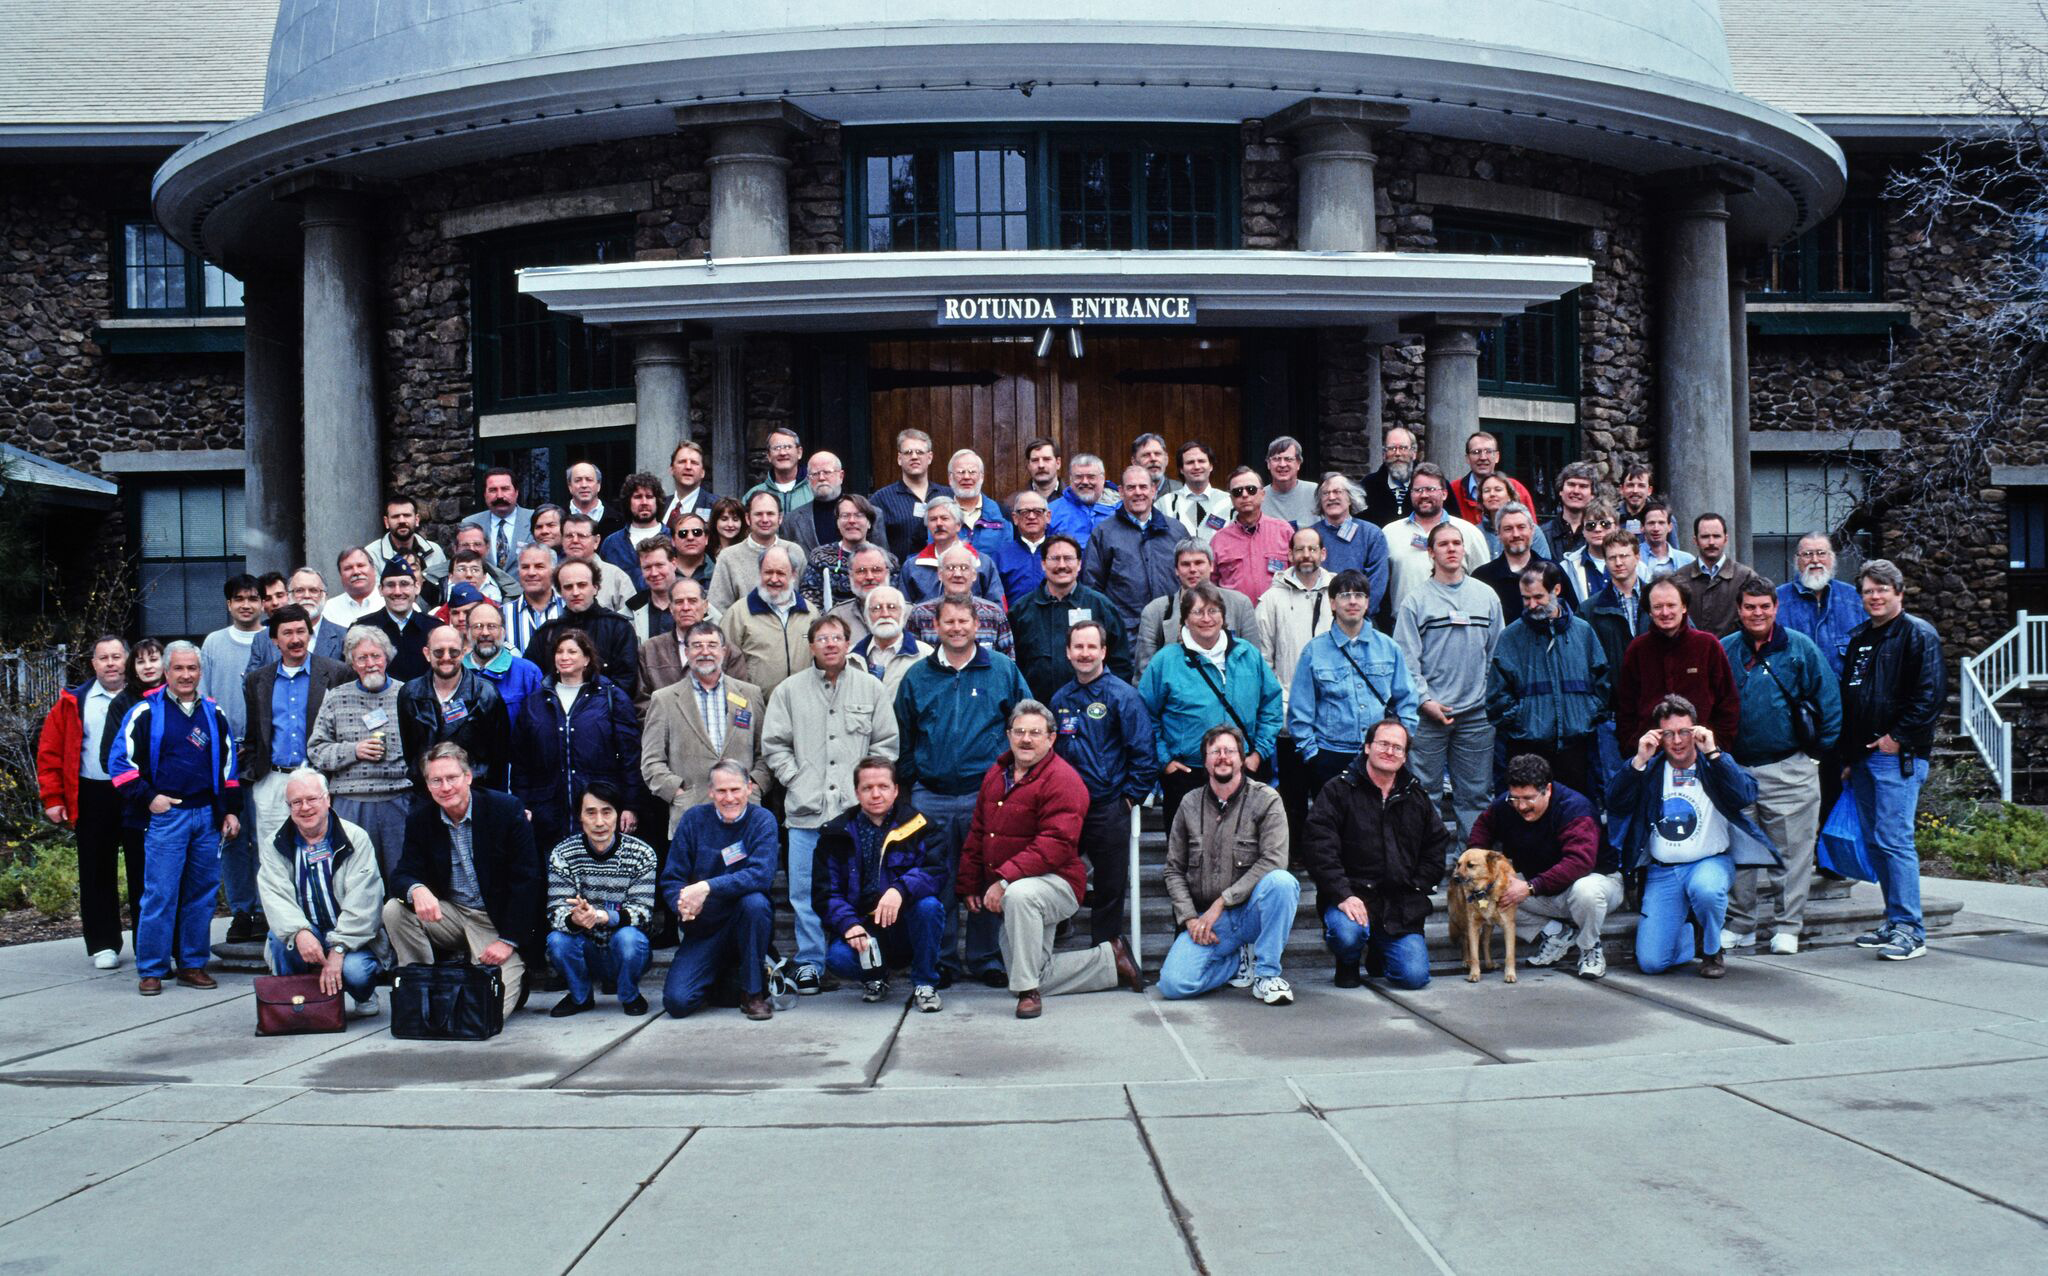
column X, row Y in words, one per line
column 1214, row 522
column 1418, row 542
column 917, row 509
column 376, row 718
column 1070, row 722
column 198, row 737
column 1075, row 615
column 743, row 719
column 453, row 712
column 733, row 854
column 1276, row 565
column 1460, row 618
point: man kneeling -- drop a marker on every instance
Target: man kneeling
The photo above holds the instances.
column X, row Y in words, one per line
column 600, row 900
column 321, row 889
column 881, row 869
column 1022, row 862
column 469, row 880
column 1234, row 917
column 1681, row 800
column 1566, row 879
column 721, row 862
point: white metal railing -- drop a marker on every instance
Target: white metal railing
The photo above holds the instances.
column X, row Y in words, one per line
column 32, row 678
column 2018, row 659
column 1137, row 915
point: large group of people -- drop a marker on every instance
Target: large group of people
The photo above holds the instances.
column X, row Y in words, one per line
column 920, row 719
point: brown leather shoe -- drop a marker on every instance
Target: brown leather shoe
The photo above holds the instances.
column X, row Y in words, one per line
column 149, row 986
column 1127, row 973
column 756, row 1007
column 1713, row 966
column 1030, row 1005
column 197, row 979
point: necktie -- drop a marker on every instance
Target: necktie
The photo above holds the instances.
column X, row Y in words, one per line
column 504, row 548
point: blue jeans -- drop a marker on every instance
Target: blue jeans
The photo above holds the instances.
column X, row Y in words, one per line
column 620, row 962
column 810, row 932
column 358, row 969
column 950, row 814
column 731, row 931
column 1402, row 960
column 1606, row 763
column 912, row 941
column 1888, row 803
column 1674, row 894
column 1263, row 921
column 180, row 873
column 238, row 869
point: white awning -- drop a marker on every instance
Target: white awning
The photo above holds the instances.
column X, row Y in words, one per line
column 1384, row 292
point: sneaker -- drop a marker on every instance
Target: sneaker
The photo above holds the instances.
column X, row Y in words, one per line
column 1554, row 946
column 106, row 959
column 1785, row 943
column 808, row 984
column 367, row 1008
column 1875, row 938
column 1905, row 946
column 1273, row 990
column 870, row 989
column 926, row 999
column 1736, row 939
column 1593, row 961
column 1243, row 977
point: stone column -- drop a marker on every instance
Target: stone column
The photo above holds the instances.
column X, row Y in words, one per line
column 749, row 172
column 1450, row 390
column 1334, row 157
column 344, row 456
column 661, row 394
column 1742, row 543
column 1696, row 456
column 273, row 495
column 729, row 417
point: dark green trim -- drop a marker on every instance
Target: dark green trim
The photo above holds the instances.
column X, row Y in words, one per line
column 1822, row 322
column 129, row 341
column 195, row 281
column 487, row 255
column 1525, row 235
column 1807, row 247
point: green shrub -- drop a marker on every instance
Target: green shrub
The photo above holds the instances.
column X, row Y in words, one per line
column 40, row 873
column 1990, row 844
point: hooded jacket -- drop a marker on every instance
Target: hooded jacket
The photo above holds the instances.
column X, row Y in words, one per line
column 1387, row 850
column 1548, row 681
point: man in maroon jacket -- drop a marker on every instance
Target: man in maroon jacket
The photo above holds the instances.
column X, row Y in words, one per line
column 1673, row 658
column 1567, row 878
column 1022, row 862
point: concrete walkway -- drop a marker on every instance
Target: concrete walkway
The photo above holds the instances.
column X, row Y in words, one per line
column 1820, row 1113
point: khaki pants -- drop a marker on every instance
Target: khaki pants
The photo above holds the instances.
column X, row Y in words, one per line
column 1788, row 809
column 1033, row 908
column 461, row 930
column 267, row 811
column 1585, row 904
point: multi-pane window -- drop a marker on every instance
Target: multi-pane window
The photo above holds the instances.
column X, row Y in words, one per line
column 155, row 276
column 540, row 463
column 2026, row 579
column 1842, row 259
column 1045, row 190
column 1790, row 497
column 527, row 356
column 191, row 542
column 1537, row 351
column 1534, row 453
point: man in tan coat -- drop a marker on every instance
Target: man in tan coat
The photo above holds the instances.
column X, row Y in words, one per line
column 694, row 723
column 771, row 625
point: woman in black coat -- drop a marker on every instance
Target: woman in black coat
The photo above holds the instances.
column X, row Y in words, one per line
column 577, row 726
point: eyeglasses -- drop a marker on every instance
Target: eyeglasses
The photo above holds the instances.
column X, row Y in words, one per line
column 1244, row 491
column 1389, row 746
column 1028, row 733
column 1815, row 555
column 1351, row 595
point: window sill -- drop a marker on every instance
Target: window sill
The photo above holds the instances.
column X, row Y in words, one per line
column 1827, row 318
column 206, row 334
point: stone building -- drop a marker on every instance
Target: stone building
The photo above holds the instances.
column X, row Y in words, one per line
column 528, row 232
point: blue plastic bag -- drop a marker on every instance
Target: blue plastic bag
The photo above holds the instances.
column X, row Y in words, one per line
column 1841, row 842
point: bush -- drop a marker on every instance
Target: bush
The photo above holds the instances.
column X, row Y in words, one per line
column 41, row 873
column 1997, row 844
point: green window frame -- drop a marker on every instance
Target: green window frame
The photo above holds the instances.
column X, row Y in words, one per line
column 527, row 357
column 154, row 277
column 1791, row 494
column 188, row 540
column 1534, row 452
column 540, row 462
column 1070, row 187
column 1534, row 354
column 1842, row 259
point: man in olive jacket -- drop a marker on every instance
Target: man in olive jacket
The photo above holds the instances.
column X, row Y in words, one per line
column 1375, row 848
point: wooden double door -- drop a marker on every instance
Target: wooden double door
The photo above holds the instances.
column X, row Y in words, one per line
column 993, row 394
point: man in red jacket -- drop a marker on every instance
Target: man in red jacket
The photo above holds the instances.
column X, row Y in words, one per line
column 77, row 791
column 1022, row 862
column 1673, row 658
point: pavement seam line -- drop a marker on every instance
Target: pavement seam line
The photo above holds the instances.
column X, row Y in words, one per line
column 627, row 1204
column 1851, row 1139
column 1408, row 1224
column 881, row 1057
column 1459, row 1037
column 1179, row 1044
column 126, row 1170
column 1949, row 950
column 1182, row 1220
column 1704, row 1016
column 1811, row 973
column 646, row 1022
column 134, row 1027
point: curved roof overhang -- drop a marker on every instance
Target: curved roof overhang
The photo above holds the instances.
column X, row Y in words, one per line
column 1385, row 293
column 215, row 194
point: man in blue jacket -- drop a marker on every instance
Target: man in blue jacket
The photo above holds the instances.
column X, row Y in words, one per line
column 880, row 873
column 1084, row 506
column 1814, row 603
column 1131, row 553
column 1105, row 733
column 1676, row 809
column 1548, row 686
column 173, row 763
column 952, row 718
column 721, row 863
column 1349, row 677
column 1775, row 669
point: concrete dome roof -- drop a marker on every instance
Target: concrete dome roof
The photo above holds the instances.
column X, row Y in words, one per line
column 385, row 91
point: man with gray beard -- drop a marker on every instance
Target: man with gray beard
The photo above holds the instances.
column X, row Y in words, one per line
column 1386, row 488
column 355, row 744
column 771, row 625
column 866, row 571
column 888, row 651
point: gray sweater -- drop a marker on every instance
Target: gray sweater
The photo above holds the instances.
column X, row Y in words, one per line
column 621, row 883
column 349, row 715
column 1446, row 633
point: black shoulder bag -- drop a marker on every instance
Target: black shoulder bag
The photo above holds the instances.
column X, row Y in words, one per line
column 1805, row 714
column 1201, row 667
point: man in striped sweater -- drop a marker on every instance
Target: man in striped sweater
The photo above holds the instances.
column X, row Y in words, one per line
column 600, row 902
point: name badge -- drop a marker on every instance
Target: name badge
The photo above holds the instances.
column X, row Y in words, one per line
column 1460, row 618
column 733, row 854
column 1418, row 542
column 1075, row 615
column 735, row 699
column 1276, row 565
column 453, row 712
column 743, row 719
column 917, row 509
column 1214, row 522
column 1070, row 722
column 320, row 856
column 1349, row 530
column 198, row 737
column 376, row 718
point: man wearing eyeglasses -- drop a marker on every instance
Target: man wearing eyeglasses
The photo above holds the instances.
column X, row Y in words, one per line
column 902, row 502
column 1482, row 459
column 1347, row 678
column 1252, row 548
column 1386, row 488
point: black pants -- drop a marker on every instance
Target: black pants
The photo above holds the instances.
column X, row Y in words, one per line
column 1326, row 766
column 1106, row 841
column 1296, row 781
column 102, row 843
column 1571, row 763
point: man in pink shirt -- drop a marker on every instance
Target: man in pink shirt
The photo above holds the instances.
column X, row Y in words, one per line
column 1251, row 549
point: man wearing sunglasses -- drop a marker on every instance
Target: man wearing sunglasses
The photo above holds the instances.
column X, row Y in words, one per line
column 1251, row 549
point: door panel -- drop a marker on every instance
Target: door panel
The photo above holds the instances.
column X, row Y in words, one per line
column 991, row 394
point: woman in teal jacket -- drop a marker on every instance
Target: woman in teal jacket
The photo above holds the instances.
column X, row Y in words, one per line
column 1186, row 693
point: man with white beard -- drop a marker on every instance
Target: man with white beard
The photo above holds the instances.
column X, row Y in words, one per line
column 354, row 743
column 1814, row 603
column 1386, row 488
column 818, row 523
column 866, row 571
column 888, row 651
column 771, row 625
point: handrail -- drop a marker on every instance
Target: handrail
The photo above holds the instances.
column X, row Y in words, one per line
column 2018, row 659
column 1137, row 914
